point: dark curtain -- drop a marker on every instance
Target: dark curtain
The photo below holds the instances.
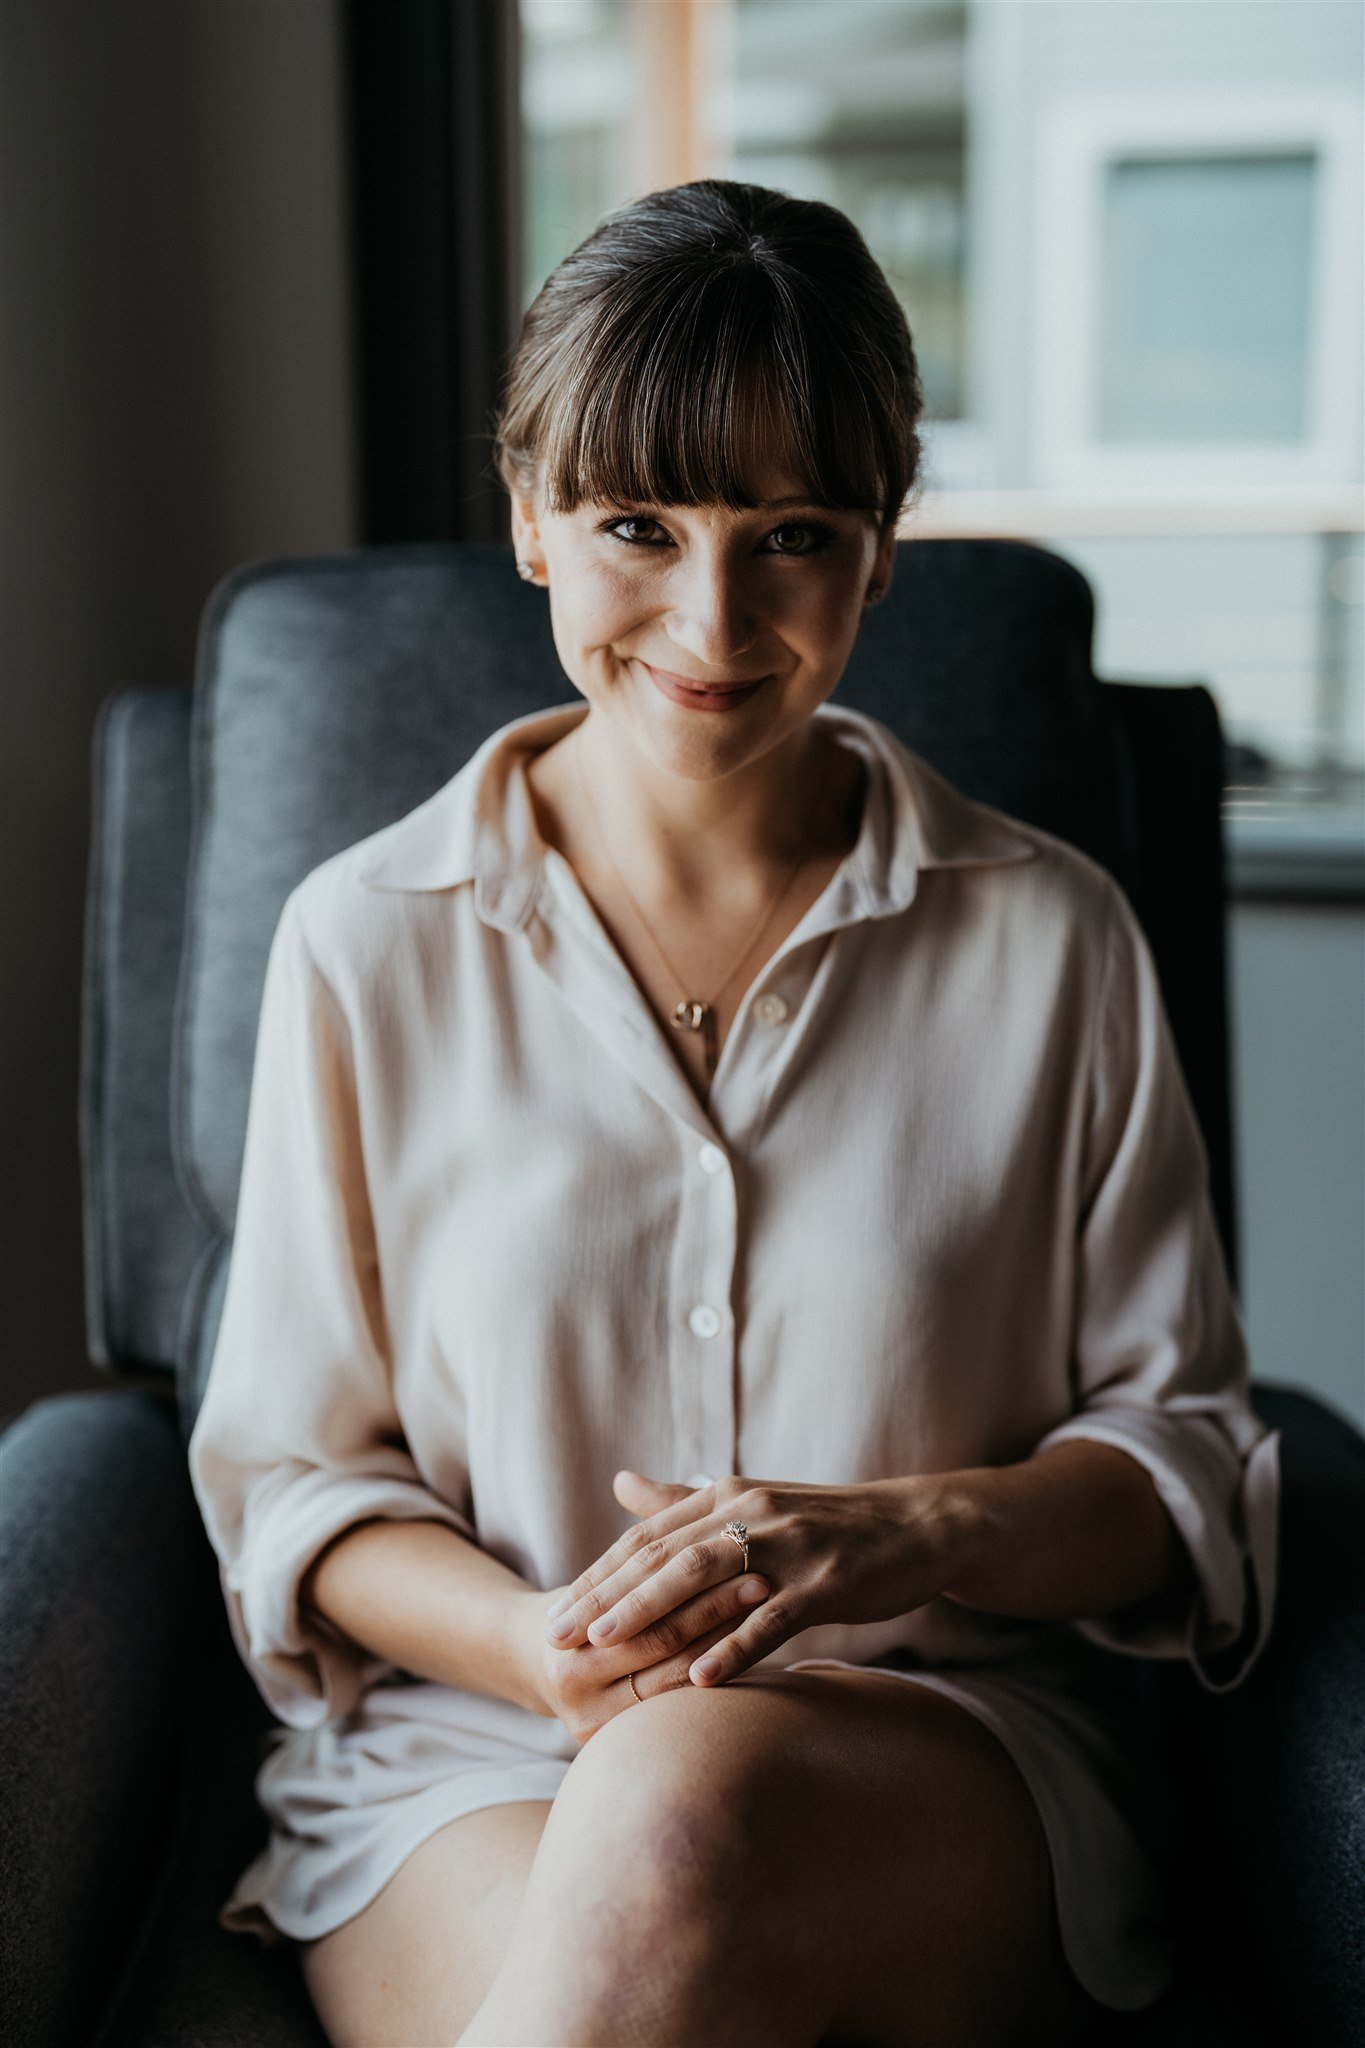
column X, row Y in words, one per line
column 433, row 137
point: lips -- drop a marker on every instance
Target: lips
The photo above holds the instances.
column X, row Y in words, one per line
column 705, row 689
column 701, row 696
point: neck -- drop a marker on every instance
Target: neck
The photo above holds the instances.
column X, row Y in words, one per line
column 704, row 841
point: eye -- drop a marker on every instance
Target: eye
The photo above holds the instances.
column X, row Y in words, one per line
column 634, row 519
column 819, row 535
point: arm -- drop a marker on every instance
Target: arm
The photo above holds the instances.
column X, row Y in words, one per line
column 1159, row 1374
column 1078, row 1530
column 298, row 1439
column 427, row 1600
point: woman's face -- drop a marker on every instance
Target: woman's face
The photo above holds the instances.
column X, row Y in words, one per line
column 646, row 599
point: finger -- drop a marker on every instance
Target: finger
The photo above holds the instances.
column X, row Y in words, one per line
column 636, row 1607
column 661, row 1576
column 671, row 1675
column 703, row 1622
column 645, row 1496
column 773, row 1623
column 676, row 1631
column 624, row 1556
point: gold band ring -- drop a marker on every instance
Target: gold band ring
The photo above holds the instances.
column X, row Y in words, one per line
column 630, row 1677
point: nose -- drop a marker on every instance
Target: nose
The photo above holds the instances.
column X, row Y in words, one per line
column 710, row 615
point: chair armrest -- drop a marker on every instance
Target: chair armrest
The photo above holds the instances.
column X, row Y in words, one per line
column 104, row 1571
column 1275, row 1770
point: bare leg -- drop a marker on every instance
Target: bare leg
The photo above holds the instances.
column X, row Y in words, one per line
column 413, row 1965
column 790, row 1856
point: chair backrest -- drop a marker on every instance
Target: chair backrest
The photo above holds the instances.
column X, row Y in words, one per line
column 333, row 694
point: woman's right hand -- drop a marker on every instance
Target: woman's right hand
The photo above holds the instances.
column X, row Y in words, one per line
column 588, row 1685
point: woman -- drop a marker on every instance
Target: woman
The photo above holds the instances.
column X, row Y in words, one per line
column 711, row 1187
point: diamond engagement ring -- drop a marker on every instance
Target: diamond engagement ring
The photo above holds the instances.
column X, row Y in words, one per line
column 740, row 1532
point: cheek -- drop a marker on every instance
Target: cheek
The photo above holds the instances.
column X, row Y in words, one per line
column 590, row 612
column 824, row 617
column 605, row 602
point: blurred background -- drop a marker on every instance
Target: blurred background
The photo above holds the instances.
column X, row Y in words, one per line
column 261, row 265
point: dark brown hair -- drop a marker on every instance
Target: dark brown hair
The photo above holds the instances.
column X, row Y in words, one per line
column 696, row 325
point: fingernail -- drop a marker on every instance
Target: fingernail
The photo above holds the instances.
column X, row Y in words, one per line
column 602, row 1628
column 709, row 1667
column 752, row 1591
column 558, row 1606
column 562, row 1627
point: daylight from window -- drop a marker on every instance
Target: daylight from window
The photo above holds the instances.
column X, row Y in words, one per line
column 1128, row 242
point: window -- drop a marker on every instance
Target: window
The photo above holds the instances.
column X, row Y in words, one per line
column 1137, row 309
column 858, row 103
column 1204, row 297
column 1196, row 290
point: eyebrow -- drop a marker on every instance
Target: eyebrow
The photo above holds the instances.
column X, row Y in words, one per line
column 766, row 505
column 808, row 504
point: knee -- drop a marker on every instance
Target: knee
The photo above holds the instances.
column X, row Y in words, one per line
column 662, row 1805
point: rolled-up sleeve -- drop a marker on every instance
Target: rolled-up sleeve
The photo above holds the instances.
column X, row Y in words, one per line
column 298, row 1438
column 1160, row 1361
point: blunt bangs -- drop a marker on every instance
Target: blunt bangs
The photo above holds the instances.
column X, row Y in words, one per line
column 702, row 336
column 689, row 401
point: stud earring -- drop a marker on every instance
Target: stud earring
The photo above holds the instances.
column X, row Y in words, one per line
column 526, row 572
column 876, row 594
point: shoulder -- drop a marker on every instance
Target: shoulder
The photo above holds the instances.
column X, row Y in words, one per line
column 1064, row 884
column 1032, row 876
column 359, row 938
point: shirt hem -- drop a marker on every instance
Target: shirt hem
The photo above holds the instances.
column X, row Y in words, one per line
column 259, row 1903
column 1086, row 1951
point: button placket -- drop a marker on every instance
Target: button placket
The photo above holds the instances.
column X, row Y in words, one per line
column 701, row 1283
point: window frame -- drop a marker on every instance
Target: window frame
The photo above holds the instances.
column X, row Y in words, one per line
column 1076, row 143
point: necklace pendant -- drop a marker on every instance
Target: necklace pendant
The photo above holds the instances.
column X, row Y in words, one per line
column 695, row 1016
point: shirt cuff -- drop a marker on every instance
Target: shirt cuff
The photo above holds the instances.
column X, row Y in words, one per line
column 1226, row 1510
column 307, row 1671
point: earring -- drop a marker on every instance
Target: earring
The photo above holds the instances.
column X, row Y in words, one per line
column 526, row 572
column 875, row 594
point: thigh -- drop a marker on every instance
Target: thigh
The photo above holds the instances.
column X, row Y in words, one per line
column 874, row 1838
column 963, row 1944
column 412, row 1967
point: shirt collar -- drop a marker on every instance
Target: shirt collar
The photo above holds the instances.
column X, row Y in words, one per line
column 480, row 827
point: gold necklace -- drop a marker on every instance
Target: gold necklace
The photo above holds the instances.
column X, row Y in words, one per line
column 692, row 1013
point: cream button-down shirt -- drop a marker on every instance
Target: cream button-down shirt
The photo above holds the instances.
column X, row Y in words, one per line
column 948, row 1207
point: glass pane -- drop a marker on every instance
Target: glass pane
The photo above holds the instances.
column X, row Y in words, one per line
column 1205, row 288
column 859, row 102
column 576, row 79
column 862, row 104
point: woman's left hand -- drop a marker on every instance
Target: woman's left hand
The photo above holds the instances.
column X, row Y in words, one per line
column 828, row 1554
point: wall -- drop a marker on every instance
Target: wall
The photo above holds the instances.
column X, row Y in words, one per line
column 1297, row 984
column 175, row 400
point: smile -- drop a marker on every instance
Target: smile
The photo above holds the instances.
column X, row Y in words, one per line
column 698, row 697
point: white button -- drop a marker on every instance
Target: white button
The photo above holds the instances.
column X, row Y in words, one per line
column 770, row 1010
column 711, row 1159
column 704, row 1320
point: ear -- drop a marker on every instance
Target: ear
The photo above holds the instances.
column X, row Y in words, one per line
column 526, row 534
column 884, row 561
